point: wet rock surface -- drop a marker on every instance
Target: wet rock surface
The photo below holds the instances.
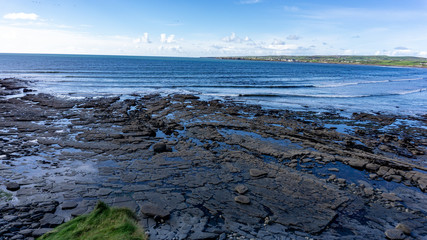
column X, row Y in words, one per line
column 194, row 169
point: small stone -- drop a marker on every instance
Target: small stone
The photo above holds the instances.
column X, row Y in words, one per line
column 341, row 181
column 396, row 178
column 242, row 189
column 26, row 232
column 368, row 191
column 51, row 220
column 257, row 173
column 357, row 163
column 242, row 199
column 104, row 191
column 79, row 211
column 293, row 165
column 203, row 235
column 394, row 234
column 41, row 231
column 373, row 176
column 17, row 237
column 391, row 197
column 152, row 210
column 332, row 177
column 404, row 228
column 9, row 218
column 12, row 186
column 372, row 167
column 333, row 169
column 68, row 205
column 159, row 147
column 382, row 170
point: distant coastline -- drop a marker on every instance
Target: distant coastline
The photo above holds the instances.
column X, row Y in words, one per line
column 341, row 59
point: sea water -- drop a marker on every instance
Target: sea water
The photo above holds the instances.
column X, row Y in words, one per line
column 295, row 86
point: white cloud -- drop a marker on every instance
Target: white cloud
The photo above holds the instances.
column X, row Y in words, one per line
column 249, row 1
column 34, row 40
column 402, row 51
column 281, row 47
column 422, row 54
column 175, row 48
column 143, row 39
column 291, row 9
column 236, row 39
column 293, row 37
column 401, row 48
column 231, row 38
column 167, row 39
column 21, row 16
column 278, row 42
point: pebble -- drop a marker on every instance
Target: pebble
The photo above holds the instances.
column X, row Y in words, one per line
column 368, row 191
column 394, row 234
column 159, row 147
column 242, row 199
column 333, row 169
column 332, row 177
column 257, row 173
column 12, row 186
column 68, row 205
column 373, row 176
column 391, row 197
column 242, row 189
column 152, row 210
column 404, row 228
column 39, row 232
column 341, row 181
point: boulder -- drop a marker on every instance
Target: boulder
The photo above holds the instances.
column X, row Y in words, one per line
column 404, row 228
column 357, row 163
column 242, row 189
column 51, row 220
column 394, row 234
column 161, row 147
column 39, row 232
column 382, row 170
column 12, row 186
column 257, row 173
column 153, row 210
column 368, row 191
column 242, row 199
column 372, row 167
column 391, row 197
column 68, row 205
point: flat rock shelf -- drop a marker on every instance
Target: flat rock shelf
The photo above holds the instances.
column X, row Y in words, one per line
column 194, row 169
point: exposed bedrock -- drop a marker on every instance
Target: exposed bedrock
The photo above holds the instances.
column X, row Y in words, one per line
column 195, row 169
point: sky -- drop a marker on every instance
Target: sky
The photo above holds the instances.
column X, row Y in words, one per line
column 201, row 28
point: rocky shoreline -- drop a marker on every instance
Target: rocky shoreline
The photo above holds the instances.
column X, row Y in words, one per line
column 195, row 169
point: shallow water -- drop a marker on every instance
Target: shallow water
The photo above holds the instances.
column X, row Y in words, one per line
column 271, row 84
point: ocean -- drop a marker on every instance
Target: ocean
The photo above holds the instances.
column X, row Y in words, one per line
column 294, row 86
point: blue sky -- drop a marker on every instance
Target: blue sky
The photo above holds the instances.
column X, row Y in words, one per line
column 214, row 27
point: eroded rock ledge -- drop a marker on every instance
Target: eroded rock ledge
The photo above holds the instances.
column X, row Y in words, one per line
column 195, row 169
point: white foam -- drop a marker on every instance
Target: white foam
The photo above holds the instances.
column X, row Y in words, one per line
column 412, row 91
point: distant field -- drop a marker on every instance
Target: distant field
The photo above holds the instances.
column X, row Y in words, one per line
column 362, row 60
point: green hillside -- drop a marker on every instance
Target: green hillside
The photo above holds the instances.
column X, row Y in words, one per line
column 337, row 59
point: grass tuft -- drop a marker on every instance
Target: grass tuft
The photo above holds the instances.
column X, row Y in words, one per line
column 5, row 196
column 103, row 223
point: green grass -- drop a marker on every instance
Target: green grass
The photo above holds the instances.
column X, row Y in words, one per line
column 5, row 196
column 103, row 223
column 359, row 60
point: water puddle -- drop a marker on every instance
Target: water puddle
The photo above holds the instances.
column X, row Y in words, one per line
column 341, row 128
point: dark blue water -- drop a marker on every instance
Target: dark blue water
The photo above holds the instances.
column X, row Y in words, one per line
column 271, row 84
